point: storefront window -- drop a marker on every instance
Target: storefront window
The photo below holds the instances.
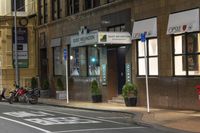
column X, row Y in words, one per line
column 187, row 54
column 57, row 61
column 93, row 61
column 152, row 57
column 78, row 63
column 84, row 61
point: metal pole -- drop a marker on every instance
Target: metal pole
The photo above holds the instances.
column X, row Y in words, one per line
column 15, row 47
column 146, row 71
column 67, row 90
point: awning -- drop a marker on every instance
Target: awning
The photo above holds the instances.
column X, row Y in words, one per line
column 148, row 25
column 186, row 21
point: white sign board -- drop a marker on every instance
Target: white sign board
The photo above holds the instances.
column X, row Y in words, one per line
column 21, row 55
column 187, row 21
column 114, row 38
column 84, row 39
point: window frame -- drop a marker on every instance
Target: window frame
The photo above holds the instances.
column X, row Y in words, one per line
column 185, row 53
column 19, row 7
column 148, row 57
column 43, row 14
column 90, row 4
column 56, row 11
column 70, row 7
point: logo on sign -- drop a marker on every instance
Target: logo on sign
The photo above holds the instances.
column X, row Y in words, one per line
column 143, row 37
column 138, row 35
column 181, row 28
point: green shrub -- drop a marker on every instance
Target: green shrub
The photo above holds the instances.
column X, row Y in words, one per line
column 95, row 88
column 34, row 83
column 129, row 90
column 60, row 86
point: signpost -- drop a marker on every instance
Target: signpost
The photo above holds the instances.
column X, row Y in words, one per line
column 15, row 48
column 143, row 39
column 66, row 61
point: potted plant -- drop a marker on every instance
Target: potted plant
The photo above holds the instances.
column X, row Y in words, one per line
column 95, row 91
column 129, row 92
column 44, row 92
column 60, row 93
column 34, row 83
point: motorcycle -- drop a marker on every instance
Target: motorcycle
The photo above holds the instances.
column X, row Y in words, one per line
column 24, row 95
column 2, row 96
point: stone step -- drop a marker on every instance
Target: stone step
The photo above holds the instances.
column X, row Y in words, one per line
column 117, row 100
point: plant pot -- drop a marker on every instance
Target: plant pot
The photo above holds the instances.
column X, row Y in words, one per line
column 97, row 98
column 61, row 95
column 129, row 102
column 44, row 93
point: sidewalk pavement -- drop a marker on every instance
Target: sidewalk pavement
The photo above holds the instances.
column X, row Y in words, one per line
column 185, row 120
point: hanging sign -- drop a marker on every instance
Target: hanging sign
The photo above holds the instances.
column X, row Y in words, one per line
column 22, row 46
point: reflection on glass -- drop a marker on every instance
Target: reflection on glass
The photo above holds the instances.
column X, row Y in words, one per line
column 84, row 63
column 195, row 71
column 78, row 63
column 93, row 61
column 192, row 43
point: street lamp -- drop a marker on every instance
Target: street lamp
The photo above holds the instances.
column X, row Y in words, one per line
column 15, row 47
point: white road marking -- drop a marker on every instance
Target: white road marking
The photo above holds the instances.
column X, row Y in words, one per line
column 22, row 114
column 53, row 111
column 114, row 117
column 61, row 121
column 98, row 129
column 88, row 117
column 25, row 124
column 92, row 118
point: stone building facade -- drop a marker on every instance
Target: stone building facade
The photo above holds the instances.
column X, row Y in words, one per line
column 26, row 33
column 71, row 24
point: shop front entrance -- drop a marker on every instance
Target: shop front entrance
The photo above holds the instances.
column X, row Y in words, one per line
column 43, row 65
column 116, row 70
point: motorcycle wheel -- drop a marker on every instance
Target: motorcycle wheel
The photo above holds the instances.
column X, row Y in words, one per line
column 34, row 100
column 11, row 99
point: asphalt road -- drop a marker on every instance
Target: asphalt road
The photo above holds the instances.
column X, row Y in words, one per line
column 25, row 118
